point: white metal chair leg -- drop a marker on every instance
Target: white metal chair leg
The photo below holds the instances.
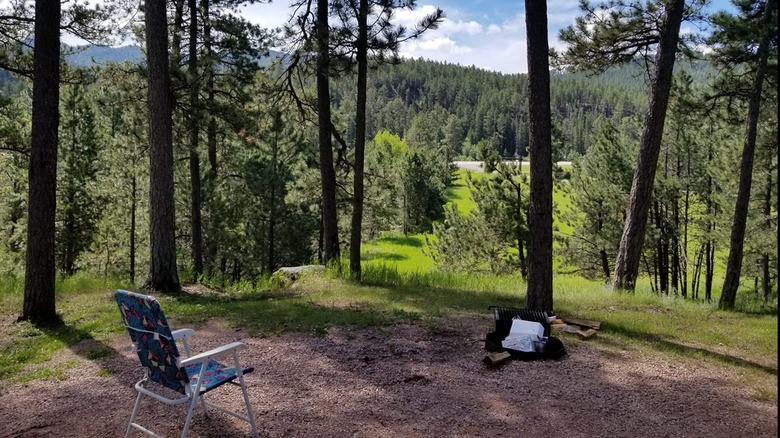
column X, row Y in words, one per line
column 190, row 411
column 203, row 403
column 250, row 413
column 133, row 416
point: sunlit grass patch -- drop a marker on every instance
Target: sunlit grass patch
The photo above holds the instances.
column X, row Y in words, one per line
column 88, row 312
column 458, row 193
column 405, row 253
column 687, row 327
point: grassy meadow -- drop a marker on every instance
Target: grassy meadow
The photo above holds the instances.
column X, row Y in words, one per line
column 400, row 284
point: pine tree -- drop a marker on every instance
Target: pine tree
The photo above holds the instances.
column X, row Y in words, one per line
column 539, row 294
column 732, row 30
column 79, row 205
column 163, row 272
column 628, row 30
column 39, row 305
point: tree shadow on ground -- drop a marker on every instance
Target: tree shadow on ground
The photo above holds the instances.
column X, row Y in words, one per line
column 79, row 341
column 383, row 256
column 401, row 241
column 278, row 311
column 409, row 380
column 687, row 350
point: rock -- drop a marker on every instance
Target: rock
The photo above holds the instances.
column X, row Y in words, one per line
column 291, row 274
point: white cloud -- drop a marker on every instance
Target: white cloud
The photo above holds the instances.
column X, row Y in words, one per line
column 408, row 18
column 268, row 15
column 561, row 12
column 462, row 38
column 439, row 45
column 685, row 30
column 468, row 27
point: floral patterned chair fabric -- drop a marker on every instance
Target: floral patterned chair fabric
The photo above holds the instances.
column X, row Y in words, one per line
column 153, row 340
column 192, row 377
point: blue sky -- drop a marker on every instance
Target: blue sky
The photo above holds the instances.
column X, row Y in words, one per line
column 486, row 33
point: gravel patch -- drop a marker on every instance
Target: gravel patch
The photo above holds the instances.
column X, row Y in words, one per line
column 403, row 381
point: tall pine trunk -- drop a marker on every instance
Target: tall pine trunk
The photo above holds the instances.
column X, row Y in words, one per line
column 709, row 252
column 686, row 217
column 163, row 274
column 539, row 292
column 272, row 213
column 194, row 119
column 329, row 214
column 766, row 283
column 734, row 267
column 630, row 251
column 213, row 218
column 519, row 231
column 133, row 213
column 39, row 275
column 360, row 141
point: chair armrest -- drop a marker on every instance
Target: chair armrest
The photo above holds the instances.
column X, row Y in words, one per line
column 183, row 333
column 219, row 351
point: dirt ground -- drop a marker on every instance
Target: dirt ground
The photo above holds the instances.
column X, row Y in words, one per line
column 403, row 381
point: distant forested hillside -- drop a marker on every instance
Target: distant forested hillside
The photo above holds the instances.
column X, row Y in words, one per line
column 465, row 106
column 90, row 55
column 469, row 110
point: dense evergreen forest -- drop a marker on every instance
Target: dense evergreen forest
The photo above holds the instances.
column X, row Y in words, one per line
column 255, row 188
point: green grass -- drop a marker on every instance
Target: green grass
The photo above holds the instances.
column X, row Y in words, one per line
column 86, row 310
column 459, row 194
column 642, row 324
column 405, row 253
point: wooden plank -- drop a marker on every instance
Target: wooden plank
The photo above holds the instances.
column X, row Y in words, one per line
column 557, row 321
column 494, row 359
column 583, row 323
column 589, row 333
column 565, row 328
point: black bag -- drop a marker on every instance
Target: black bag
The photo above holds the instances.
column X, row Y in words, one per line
column 553, row 348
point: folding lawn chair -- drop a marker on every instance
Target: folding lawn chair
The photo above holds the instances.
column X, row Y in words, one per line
column 192, row 377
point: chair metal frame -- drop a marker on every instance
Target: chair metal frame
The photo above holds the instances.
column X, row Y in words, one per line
column 191, row 394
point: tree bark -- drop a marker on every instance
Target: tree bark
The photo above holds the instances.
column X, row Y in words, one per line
column 163, row 274
column 176, row 36
column 519, row 219
column 360, row 141
column 675, row 245
column 734, row 267
column 709, row 273
column 710, row 245
column 272, row 210
column 539, row 295
column 195, row 204
column 766, row 283
column 604, row 264
column 133, row 212
column 39, row 280
column 327, row 172
column 684, row 269
column 213, row 220
column 629, row 253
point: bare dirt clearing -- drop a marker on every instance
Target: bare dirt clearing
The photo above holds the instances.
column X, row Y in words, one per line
column 405, row 381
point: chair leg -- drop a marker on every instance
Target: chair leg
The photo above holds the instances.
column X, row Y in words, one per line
column 190, row 411
column 250, row 414
column 133, row 416
column 203, row 403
